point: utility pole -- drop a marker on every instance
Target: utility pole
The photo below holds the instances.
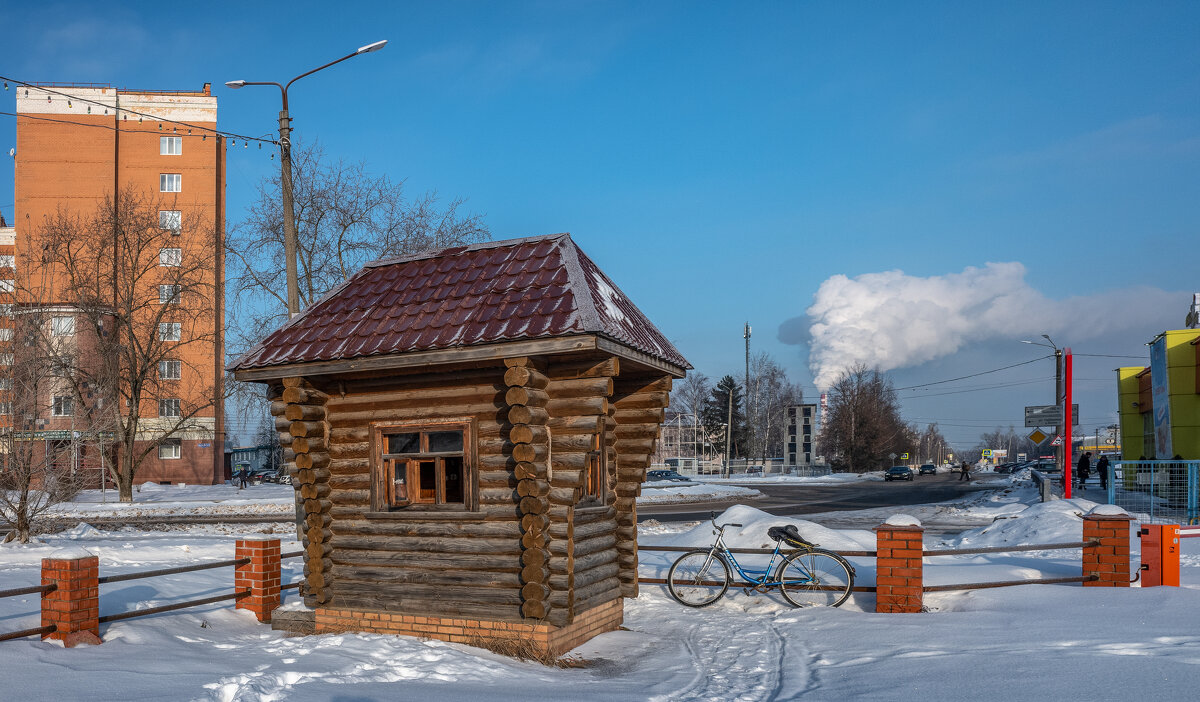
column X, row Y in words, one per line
column 1058, row 400
column 728, row 430
column 747, row 387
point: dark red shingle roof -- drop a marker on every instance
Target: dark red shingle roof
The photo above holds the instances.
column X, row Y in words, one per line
column 513, row 290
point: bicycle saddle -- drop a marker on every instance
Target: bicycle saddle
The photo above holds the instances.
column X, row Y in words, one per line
column 790, row 535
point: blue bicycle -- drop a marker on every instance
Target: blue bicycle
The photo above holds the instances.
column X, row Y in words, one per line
column 808, row 576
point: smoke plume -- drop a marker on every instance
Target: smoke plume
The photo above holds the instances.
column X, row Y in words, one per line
column 891, row 320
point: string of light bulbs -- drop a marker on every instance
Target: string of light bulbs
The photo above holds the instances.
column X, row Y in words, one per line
column 232, row 136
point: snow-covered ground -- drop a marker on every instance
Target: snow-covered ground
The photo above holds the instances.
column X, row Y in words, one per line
column 662, row 493
column 1026, row 642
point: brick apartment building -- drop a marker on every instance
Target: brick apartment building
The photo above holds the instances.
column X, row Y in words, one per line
column 76, row 147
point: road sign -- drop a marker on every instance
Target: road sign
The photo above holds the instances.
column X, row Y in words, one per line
column 987, row 453
column 1048, row 415
column 1057, row 441
column 1037, row 436
column 1021, row 457
column 904, row 456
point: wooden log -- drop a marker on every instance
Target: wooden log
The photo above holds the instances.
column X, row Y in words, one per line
column 305, row 412
column 596, row 587
column 451, row 561
column 535, row 591
column 405, row 528
column 315, row 475
column 304, row 396
column 368, row 579
column 592, row 560
column 526, row 396
column 629, row 589
column 527, row 470
column 636, row 431
column 296, row 381
column 635, row 446
column 451, row 393
column 627, row 532
column 528, row 453
column 533, row 540
column 421, row 575
column 599, row 593
column 318, row 521
column 498, row 495
column 528, row 434
column 577, row 406
column 305, row 461
column 609, row 367
column 278, row 408
column 629, row 385
column 534, row 609
column 314, row 491
column 524, row 376
column 567, row 478
column 588, row 424
column 306, row 429
column 317, row 535
column 282, row 424
column 534, row 522
column 563, row 495
column 318, row 552
column 535, row 557
column 350, row 497
column 568, row 460
column 416, row 545
column 595, row 544
column 645, row 400
column 592, row 515
column 583, row 532
column 416, row 411
column 532, row 488
column 534, row 574
column 524, row 362
column 571, row 443
column 350, row 451
column 289, row 456
column 274, row 391
column 524, row 414
column 497, row 479
column 534, row 505
column 349, row 435
column 581, row 387
column 308, row 444
column 350, row 467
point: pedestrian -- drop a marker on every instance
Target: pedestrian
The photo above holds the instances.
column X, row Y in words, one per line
column 1083, row 467
column 965, row 474
column 243, row 477
column 1102, row 469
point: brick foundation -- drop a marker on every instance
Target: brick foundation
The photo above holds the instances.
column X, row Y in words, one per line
column 261, row 576
column 1110, row 560
column 899, row 575
column 546, row 638
column 74, row 606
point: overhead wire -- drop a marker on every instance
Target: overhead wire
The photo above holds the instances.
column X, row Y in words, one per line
column 975, row 375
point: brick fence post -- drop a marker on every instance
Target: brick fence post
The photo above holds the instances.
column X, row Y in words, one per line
column 74, row 605
column 898, row 574
column 1110, row 559
column 261, row 576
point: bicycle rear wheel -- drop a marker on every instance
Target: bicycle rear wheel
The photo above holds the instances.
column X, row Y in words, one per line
column 698, row 578
column 815, row 579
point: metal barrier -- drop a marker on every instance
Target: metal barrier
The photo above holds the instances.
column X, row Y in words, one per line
column 44, row 590
column 1160, row 492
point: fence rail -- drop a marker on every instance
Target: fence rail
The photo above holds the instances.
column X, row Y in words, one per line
column 39, row 589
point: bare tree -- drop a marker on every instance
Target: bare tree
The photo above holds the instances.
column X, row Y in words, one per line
column 862, row 423
column 144, row 316
column 767, row 400
column 345, row 217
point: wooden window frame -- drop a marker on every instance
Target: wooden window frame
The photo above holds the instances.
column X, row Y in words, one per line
column 595, row 476
column 384, row 465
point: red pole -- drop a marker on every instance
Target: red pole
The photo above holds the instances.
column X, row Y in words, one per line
column 1068, row 420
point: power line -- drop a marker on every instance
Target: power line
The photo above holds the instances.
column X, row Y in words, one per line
column 975, row 375
column 69, row 97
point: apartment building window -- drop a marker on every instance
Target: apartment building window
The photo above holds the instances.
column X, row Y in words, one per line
column 6, row 334
column 8, row 285
column 169, row 407
column 169, row 448
column 169, row 331
column 63, row 406
column 6, row 310
column 5, row 383
column 6, row 359
column 8, row 261
column 168, row 294
column 170, row 370
column 170, row 146
column 170, row 257
column 5, row 408
column 170, row 219
column 62, row 326
column 170, row 182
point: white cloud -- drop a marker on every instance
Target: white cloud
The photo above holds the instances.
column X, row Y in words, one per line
column 892, row 320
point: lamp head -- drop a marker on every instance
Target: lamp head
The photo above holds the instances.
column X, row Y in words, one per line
column 372, row 47
column 235, row 84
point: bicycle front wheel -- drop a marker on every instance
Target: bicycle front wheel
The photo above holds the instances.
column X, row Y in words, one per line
column 815, row 579
column 698, row 578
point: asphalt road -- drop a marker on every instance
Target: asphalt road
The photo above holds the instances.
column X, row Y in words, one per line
column 799, row 499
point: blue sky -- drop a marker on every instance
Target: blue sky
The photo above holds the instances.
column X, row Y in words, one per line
column 725, row 162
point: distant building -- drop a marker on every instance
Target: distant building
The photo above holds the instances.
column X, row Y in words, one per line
column 801, row 423
column 1160, row 403
column 76, row 146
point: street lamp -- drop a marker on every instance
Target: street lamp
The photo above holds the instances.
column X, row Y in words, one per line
column 1058, row 452
column 285, row 164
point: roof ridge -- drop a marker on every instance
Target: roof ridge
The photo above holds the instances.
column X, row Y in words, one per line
column 434, row 253
column 580, row 286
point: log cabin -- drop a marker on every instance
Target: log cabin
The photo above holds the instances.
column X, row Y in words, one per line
column 468, row 430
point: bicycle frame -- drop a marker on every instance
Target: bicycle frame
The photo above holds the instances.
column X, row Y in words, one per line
column 751, row 577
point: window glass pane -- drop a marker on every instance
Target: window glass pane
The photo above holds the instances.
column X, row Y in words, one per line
column 454, row 478
column 445, row 441
column 170, row 256
column 170, row 219
column 8, row 261
column 170, row 146
column 62, row 326
column 170, row 182
column 427, row 481
column 404, row 443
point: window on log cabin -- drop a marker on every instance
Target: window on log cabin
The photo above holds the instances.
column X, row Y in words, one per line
column 425, row 466
column 595, row 480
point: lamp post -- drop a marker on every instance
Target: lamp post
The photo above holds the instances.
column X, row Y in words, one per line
column 285, row 165
column 1058, row 455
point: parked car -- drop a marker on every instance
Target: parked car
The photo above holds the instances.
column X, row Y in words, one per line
column 927, row 468
column 665, row 475
column 898, row 473
column 262, row 475
column 754, row 470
